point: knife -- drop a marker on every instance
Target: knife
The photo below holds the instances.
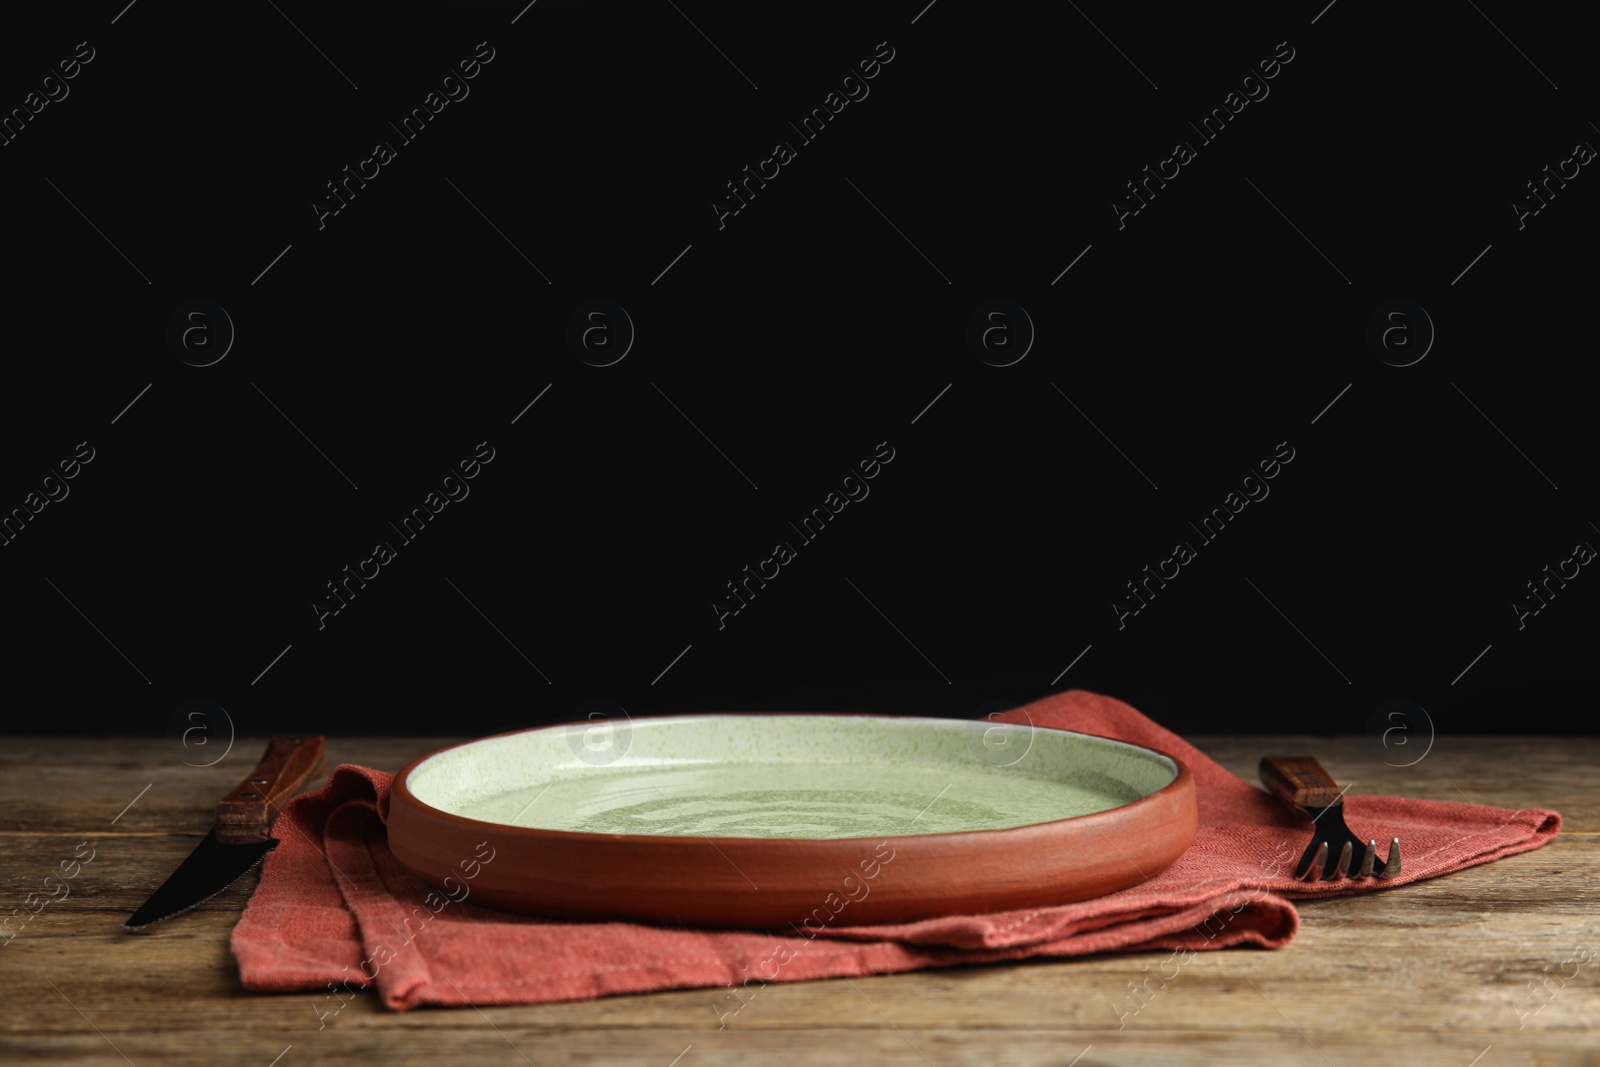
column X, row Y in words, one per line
column 239, row 839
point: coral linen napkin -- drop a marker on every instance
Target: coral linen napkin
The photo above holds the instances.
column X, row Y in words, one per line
column 335, row 912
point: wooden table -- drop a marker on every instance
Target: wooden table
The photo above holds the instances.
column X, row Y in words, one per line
column 1495, row 965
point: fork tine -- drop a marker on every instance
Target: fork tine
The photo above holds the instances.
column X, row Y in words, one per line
column 1314, row 870
column 1344, row 859
column 1367, row 858
column 1391, row 866
column 1306, row 858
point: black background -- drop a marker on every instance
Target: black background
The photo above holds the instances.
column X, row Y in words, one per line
column 783, row 347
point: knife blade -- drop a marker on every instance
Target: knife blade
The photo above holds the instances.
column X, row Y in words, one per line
column 240, row 838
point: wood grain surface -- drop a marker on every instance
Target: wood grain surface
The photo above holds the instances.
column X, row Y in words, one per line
column 1495, row 965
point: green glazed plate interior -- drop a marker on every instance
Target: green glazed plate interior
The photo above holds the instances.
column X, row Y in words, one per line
column 787, row 776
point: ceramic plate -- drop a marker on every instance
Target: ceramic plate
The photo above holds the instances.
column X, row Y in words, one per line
column 771, row 819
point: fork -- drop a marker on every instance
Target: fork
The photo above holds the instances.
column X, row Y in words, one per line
column 1301, row 783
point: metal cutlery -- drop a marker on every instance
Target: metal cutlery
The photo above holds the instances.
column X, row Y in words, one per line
column 240, row 838
column 1301, row 783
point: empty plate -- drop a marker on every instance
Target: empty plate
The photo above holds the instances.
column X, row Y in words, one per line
column 761, row 820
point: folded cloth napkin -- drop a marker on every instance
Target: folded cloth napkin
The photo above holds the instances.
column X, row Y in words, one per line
column 335, row 912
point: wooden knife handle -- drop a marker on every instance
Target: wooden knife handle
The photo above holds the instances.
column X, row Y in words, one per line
column 1299, row 781
column 245, row 814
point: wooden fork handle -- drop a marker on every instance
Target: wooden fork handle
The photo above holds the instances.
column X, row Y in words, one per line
column 245, row 814
column 1299, row 781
